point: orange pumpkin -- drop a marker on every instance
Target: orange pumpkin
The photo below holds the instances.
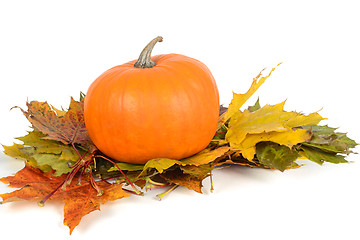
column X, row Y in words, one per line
column 166, row 106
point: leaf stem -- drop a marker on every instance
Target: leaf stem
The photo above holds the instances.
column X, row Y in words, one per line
column 151, row 186
column 218, row 133
column 127, row 179
column 73, row 145
column 162, row 195
column 68, row 178
column 80, row 159
column 132, row 192
column 80, row 176
column 211, row 182
column 93, row 183
column 109, row 178
column 154, row 183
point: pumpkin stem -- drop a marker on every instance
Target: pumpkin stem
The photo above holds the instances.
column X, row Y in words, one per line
column 144, row 60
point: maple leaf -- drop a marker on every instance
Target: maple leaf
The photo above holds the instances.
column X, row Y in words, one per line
column 192, row 170
column 68, row 127
column 201, row 171
column 43, row 153
column 268, row 123
column 17, row 151
column 326, row 139
column 236, row 158
column 126, row 166
column 203, row 157
column 49, row 152
column 265, row 137
column 326, row 145
column 288, row 138
column 239, row 99
column 160, row 164
column 255, row 107
column 275, row 155
column 319, row 156
column 79, row 199
column 266, row 119
column 178, row 177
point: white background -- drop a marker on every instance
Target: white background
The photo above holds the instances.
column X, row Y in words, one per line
column 51, row 50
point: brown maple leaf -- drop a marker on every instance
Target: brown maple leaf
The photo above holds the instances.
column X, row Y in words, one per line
column 79, row 199
column 68, row 127
column 178, row 177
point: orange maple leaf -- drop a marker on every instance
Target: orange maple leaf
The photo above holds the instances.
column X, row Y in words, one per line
column 79, row 199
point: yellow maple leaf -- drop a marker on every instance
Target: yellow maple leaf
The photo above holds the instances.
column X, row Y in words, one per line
column 302, row 120
column 288, row 138
column 205, row 156
column 239, row 99
column 269, row 123
column 201, row 158
column 266, row 119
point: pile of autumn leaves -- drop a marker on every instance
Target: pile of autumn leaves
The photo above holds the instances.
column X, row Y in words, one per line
column 266, row 137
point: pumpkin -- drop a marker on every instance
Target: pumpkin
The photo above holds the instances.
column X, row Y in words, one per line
column 165, row 106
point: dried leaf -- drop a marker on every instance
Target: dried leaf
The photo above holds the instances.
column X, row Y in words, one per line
column 68, row 128
column 266, row 119
column 222, row 110
column 265, row 137
column 319, row 156
column 239, row 99
column 127, row 167
column 206, row 156
column 45, row 154
column 83, row 199
column 79, row 199
column 21, row 152
column 160, row 164
column 59, row 112
column 276, row 156
column 255, row 107
column 303, row 120
column 288, row 138
column 326, row 145
column 178, row 177
column 269, row 123
column 201, row 171
column 326, row 139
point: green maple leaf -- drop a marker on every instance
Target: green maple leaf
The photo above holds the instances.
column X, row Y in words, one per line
column 325, row 138
column 275, row 155
column 255, row 107
column 326, row 145
column 319, row 156
column 43, row 153
column 21, row 152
